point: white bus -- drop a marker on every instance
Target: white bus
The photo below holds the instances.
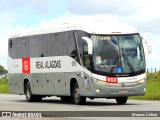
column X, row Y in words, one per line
column 76, row 62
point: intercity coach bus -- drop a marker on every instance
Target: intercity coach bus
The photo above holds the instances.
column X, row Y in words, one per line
column 75, row 62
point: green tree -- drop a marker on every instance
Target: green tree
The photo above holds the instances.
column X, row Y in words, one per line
column 3, row 71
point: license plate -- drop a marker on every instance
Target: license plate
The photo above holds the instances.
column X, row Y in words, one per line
column 123, row 91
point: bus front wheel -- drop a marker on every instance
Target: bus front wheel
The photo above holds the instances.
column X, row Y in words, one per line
column 121, row 100
column 78, row 99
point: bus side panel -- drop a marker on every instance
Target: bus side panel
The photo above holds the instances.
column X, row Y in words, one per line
column 16, row 83
column 86, row 87
column 37, row 83
column 11, row 81
column 48, row 84
column 42, row 83
column 59, row 83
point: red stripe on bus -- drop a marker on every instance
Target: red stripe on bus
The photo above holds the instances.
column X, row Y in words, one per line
column 26, row 65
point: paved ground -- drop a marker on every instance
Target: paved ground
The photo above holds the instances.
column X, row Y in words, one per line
column 18, row 103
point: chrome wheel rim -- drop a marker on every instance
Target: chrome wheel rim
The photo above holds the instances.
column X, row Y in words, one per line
column 76, row 95
column 28, row 93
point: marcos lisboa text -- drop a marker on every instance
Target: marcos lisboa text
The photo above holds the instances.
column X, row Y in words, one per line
column 147, row 114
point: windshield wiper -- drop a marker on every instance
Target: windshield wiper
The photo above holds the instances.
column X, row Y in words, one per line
column 115, row 62
column 128, row 62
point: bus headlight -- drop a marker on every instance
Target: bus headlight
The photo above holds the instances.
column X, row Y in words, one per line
column 97, row 90
column 141, row 81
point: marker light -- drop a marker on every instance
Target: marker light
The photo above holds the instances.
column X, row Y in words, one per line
column 97, row 90
column 100, row 82
column 141, row 81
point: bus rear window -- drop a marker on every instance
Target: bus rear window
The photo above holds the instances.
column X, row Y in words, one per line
column 10, row 43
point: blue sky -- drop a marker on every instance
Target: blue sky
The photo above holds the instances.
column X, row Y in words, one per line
column 24, row 15
column 31, row 12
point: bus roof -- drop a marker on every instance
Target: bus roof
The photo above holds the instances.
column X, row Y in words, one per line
column 92, row 27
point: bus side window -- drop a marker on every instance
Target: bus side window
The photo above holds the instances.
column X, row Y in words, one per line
column 74, row 54
column 10, row 43
column 86, row 60
column 45, row 49
column 23, row 47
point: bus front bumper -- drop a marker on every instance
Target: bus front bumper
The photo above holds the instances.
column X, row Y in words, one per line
column 121, row 90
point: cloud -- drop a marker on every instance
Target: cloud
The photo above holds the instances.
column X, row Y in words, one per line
column 116, row 7
column 43, row 6
column 140, row 13
column 8, row 17
column 7, row 5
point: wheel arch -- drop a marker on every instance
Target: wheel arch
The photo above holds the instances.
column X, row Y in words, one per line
column 74, row 87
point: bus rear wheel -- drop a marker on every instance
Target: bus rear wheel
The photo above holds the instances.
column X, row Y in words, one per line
column 121, row 100
column 29, row 96
column 78, row 99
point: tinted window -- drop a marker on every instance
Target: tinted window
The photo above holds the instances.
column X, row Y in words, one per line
column 64, row 46
column 45, row 45
column 23, row 48
column 79, row 35
column 13, row 48
column 35, row 46
column 86, row 60
column 56, row 44
column 72, row 46
column 10, row 43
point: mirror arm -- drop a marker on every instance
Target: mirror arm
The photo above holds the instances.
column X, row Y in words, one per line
column 90, row 45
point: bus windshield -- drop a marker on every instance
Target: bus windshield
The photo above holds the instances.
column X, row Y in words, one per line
column 118, row 53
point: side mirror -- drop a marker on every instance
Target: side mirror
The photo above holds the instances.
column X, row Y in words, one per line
column 149, row 46
column 90, row 45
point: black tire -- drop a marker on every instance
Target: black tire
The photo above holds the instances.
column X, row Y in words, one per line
column 78, row 99
column 121, row 100
column 66, row 98
column 29, row 96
